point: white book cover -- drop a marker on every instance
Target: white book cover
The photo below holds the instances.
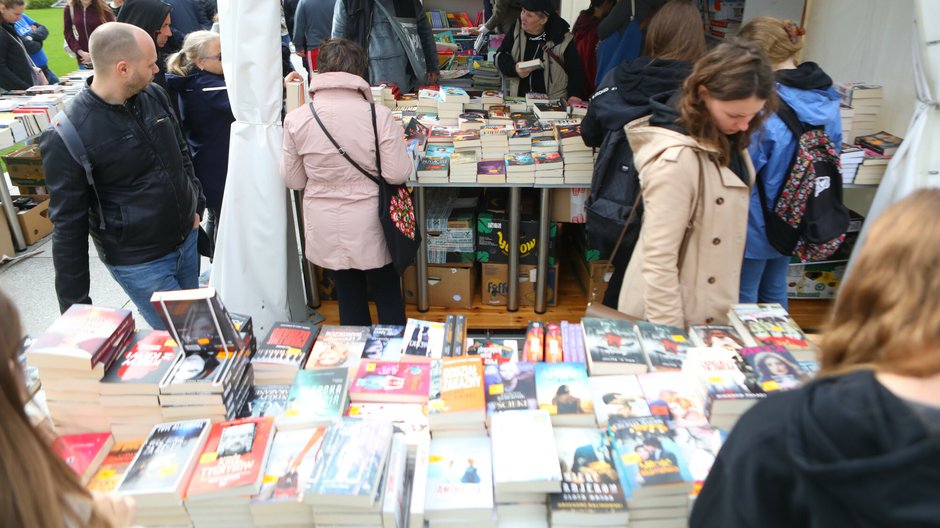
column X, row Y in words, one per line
column 423, row 340
column 617, row 396
column 290, row 463
column 393, row 500
column 460, row 479
column 419, row 483
column 524, row 453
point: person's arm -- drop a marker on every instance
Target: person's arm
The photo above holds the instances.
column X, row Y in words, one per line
column 188, row 170
column 300, row 29
column 616, row 20
column 8, row 79
column 38, row 31
column 396, row 163
column 427, row 41
column 339, row 20
column 67, row 29
column 31, row 44
column 592, row 130
column 68, row 210
column 575, row 70
column 504, row 59
column 502, row 11
column 669, row 192
column 292, row 163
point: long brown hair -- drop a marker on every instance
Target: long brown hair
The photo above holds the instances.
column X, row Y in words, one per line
column 104, row 12
column 675, row 33
column 41, row 491
column 732, row 71
column 891, row 326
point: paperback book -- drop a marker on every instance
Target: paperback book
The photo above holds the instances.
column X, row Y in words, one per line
column 338, row 346
column 509, row 386
column 564, row 391
column 233, row 460
column 391, row 382
column 664, row 345
column 612, row 347
column 316, row 398
column 354, row 455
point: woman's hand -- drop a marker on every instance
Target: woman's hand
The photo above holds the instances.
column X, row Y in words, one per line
column 523, row 72
column 84, row 57
column 120, row 512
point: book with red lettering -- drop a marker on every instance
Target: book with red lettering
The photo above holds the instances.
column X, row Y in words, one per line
column 83, row 452
column 283, row 352
column 456, row 399
column 143, row 365
column 233, row 460
column 391, row 382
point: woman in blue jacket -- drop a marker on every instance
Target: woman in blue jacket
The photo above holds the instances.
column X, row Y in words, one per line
column 195, row 75
column 807, row 89
column 33, row 34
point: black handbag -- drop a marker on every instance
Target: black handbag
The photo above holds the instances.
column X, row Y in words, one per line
column 396, row 208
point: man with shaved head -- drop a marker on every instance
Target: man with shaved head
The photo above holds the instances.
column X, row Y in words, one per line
column 141, row 202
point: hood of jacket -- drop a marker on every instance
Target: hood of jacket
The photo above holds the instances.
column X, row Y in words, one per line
column 555, row 28
column 626, row 93
column 858, row 443
column 808, row 90
column 145, row 14
column 195, row 79
column 585, row 22
column 341, row 81
column 651, row 136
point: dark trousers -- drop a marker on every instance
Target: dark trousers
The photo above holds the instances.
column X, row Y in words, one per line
column 353, row 288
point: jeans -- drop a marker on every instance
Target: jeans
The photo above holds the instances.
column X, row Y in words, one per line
column 212, row 222
column 764, row 280
column 177, row 270
column 82, row 66
column 51, row 77
column 352, row 290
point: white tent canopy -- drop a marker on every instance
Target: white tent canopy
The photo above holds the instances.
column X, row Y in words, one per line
column 255, row 269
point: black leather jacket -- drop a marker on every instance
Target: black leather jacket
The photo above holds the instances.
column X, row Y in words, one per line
column 144, row 179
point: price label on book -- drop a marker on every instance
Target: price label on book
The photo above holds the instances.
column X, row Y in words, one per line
column 294, row 351
column 210, row 457
column 169, row 471
column 496, row 388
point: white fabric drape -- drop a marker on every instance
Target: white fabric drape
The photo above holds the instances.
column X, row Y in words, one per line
column 917, row 163
column 256, row 255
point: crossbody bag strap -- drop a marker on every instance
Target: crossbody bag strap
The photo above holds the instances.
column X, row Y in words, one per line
column 623, row 232
column 551, row 54
column 699, row 195
column 73, row 144
column 342, row 151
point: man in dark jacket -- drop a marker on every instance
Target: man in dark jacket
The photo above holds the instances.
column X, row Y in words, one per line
column 153, row 16
column 143, row 209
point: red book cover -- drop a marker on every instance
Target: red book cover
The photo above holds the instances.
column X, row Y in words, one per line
column 146, row 361
column 83, row 452
column 83, row 331
column 534, row 349
column 114, row 466
column 233, row 461
column 391, row 382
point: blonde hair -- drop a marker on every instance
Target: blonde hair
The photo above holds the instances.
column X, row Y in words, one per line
column 887, row 314
column 778, row 39
column 194, row 47
column 46, row 493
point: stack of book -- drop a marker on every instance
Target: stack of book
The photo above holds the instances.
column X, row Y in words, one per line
column 442, row 135
column 467, row 141
column 459, row 482
column 72, row 356
column 726, row 390
column 846, row 115
column 525, row 464
column 346, row 484
column 851, row 158
column 229, row 472
column 471, row 121
column 578, row 157
column 283, row 352
column 872, row 169
column 495, row 142
column 433, row 169
column 456, row 405
column 489, row 98
column 130, row 389
column 316, row 398
column 549, row 166
column 463, row 166
column 619, row 395
column 591, row 491
column 499, row 115
column 290, row 462
column 158, row 476
column 338, row 346
column 612, row 347
column 491, row 171
column 533, row 98
column 563, row 390
column 520, row 141
column 520, row 167
column 769, row 324
column 383, row 94
column 427, row 101
column 663, row 345
column 550, row 111
column 865, row 100
column 485, row 76
column 83, row 452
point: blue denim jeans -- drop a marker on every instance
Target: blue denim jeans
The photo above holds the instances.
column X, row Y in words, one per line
column 764, row 280
column 177, row 270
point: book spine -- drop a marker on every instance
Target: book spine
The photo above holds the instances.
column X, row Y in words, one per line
column 449, row 323
column 534, row 349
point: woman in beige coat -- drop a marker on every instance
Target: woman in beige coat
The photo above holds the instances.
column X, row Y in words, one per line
column 341, row 218
column 695, row 176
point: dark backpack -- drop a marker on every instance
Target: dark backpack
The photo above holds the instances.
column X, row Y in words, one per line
column 615, row 185
column 808, row 219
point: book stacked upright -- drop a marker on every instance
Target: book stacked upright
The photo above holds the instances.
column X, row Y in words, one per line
column 283, row 352
column 72, row 355
column 213, row 377
column 865, row 101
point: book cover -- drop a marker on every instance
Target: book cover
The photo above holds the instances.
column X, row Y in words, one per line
column 530, row 64
column 699, row 447
column 550, row 108
column 165, row 461
column 199, row 367
column 460, row 478
column 525, row 458
column 590, row 485
column 647, row 455
column 424, row 340
column 316, row 397
column 567, row 131
column 493, row 351
column 145, row 361
column 881, row 142
column 723, row 336
column 83, row 332
column 519, row 160
column 384, row 343
column 431, row 164
column 287, row 344
column 396, row 485
column 391, row 381
column 113, row 467
column 769, row 324
column 775, row 367
column 456, row 387
column 491, row 167
column 672, row 395
column 563, row 389
column 354, row 455
column 83, row 452
column 721, row 375
column 553, row 343
column 338, row 346
column 617, row 396
column 233, row 460
column 267, row 400
column 197, row 320
column 409, row 419
column 290, row 463
column 612, row 346
column 533, row 350
column 509, row 386
column 664, row 345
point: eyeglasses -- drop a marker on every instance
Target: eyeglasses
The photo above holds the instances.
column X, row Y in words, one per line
column 213, row 57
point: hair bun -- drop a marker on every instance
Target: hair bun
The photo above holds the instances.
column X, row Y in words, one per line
column 794, row 31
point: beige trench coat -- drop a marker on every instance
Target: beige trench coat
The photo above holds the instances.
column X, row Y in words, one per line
column 702, row 286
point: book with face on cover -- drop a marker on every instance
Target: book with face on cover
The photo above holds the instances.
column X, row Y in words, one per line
column 233, row 459
column 564, row 391
column 775, row 367
column 384, row 343
column 649, row 461
column 83, row 338
column 672, row 395
column 617, row 396
column 338, row 346
column 591, row 493
column 197, row 320
column 716, row 336
column 142, row 365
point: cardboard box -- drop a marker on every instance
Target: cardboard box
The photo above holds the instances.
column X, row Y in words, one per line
column 568, row 205
column 495, row 287
column 6, row 238
column 35, row 222
column 817, row 280
column 448, row 286
column 593, row 276
column 25, row 166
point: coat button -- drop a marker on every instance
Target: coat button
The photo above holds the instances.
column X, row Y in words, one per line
column 716, row 241
column 719, row 200
column 711, row 280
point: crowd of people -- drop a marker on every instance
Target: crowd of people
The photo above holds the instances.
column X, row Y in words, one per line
column 697, row 129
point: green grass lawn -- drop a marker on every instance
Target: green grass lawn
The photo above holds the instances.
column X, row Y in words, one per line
column 59, row 62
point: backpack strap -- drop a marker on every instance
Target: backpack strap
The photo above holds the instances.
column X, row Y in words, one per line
column 342, row 151
column 787, row 114
column 73, row 143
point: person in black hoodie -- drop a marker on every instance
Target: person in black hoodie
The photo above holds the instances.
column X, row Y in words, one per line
column 674, row 41
column 16, row 70
column 860, row 446
column 153, row 16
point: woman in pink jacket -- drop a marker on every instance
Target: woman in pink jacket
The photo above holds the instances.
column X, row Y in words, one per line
column 342, row 228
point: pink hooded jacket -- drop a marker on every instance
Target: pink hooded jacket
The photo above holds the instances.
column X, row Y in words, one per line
column 340, row 204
